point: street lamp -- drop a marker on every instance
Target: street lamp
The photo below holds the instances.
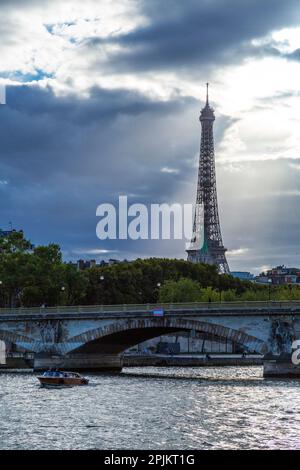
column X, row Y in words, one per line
column 270, row 282
column 62, row 295
column 158, row 285
column 100, row 298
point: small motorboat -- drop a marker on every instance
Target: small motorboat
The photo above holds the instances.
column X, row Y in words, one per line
column 58, row 378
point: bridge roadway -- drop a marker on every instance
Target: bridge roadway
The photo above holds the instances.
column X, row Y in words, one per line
column 194, row 309
column 95, row 337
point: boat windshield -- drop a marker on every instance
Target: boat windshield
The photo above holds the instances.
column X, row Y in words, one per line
column 53, row 373
column 57, row 373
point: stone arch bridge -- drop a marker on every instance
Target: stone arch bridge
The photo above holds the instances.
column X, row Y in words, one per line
column 94, row 338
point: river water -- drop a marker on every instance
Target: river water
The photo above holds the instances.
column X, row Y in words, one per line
column 153, row 408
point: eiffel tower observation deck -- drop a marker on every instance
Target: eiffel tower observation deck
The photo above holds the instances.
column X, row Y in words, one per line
column 206, row 245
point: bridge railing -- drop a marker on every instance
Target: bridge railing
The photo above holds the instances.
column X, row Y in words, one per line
column 144, row 308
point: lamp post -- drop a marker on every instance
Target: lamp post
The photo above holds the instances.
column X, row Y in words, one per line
column 101, row 278
column 62, row 289
column 158, row 285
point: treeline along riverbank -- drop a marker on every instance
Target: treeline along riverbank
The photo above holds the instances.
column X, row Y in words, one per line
column 37, row 275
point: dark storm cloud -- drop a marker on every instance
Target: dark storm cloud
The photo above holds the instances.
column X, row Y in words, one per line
column 62, row 156
column 46, row 133
column 102, row 104
column 295, row 55
column 272, row 49
column 183, row 34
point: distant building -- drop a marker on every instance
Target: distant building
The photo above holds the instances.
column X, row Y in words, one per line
column 85, row 264
column 6, row 233
column 262, row 279
column 243, row 275
column 82, row 264
column 291, row 279
column 280, row 275
column 113, row 261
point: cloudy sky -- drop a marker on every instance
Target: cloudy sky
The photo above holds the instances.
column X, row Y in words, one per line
column 103, row 99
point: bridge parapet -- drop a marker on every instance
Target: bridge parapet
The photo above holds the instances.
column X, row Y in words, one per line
column 213, row 307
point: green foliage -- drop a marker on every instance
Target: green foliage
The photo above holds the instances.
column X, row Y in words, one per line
column 229, row 295
column 35, row 276
column 209, row 294
column 14, row 243
column 137, row 281
column 277, row 293
column 184, row 290
column 181, row 281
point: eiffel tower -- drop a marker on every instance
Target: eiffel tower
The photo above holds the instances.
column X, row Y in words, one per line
column 206, row 245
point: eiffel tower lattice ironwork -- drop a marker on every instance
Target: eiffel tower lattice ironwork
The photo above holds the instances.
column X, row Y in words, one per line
column 206, row 245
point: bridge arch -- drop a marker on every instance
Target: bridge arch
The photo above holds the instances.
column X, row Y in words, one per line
column 117, row 336
column 19, row 340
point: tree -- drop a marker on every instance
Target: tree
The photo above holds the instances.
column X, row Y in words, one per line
column 184, row 290
column 209, row 294
column 14, row 260
column 33, row 276
column 75, row 283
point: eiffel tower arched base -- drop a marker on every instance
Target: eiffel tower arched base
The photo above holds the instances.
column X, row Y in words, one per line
column 216, row 258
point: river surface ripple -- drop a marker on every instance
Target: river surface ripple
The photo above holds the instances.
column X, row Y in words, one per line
column 153, row 408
